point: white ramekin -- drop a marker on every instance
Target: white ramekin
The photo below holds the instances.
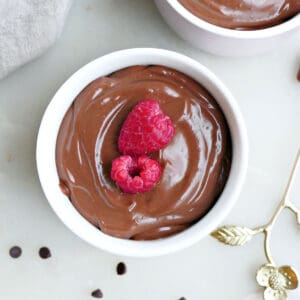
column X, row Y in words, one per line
column 46, row 143
column 222, row 41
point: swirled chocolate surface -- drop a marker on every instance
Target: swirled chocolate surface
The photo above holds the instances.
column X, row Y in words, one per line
column 243, row 14
column 195, row 164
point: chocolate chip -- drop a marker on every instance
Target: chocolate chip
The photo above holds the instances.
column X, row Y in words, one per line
column 45, row 252
column 15, row 251
column 298, row 74
column 97, row 294
column 182, row 298
column 121, row 268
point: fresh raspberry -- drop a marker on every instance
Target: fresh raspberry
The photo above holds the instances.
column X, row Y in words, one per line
column 135, row 175
column 146, row 129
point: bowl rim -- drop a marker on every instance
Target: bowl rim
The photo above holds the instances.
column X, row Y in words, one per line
column 279, row 29
column 46, row 144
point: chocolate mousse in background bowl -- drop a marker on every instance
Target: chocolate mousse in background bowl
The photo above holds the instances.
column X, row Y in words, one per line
column 202, row 164
column 233, row 27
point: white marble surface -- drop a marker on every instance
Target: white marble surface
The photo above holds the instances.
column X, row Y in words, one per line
column 269, row 96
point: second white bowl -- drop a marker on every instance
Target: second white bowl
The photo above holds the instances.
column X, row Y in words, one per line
column 223, row 41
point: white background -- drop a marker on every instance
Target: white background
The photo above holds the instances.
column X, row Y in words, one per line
column 269, row 97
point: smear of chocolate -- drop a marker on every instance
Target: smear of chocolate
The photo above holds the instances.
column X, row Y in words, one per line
column 97, row 294
column 298, row 75
column 182, row 298
column 45, row 252
column 64, row 188
column 121, row 268
column 15, row 252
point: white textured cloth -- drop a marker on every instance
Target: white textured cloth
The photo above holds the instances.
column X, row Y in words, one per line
column 27, row 29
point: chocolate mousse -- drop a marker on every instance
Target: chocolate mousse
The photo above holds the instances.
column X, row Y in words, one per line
column 195, row 164
column 243, row 14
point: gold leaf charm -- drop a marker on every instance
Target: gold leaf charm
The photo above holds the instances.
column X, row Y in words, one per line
column 276, row 280
column 233, row 235
column 298, row 217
